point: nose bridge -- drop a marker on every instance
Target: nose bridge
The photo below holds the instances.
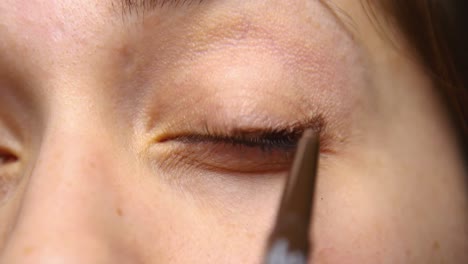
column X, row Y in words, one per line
column 72, row 169
column 65, row 215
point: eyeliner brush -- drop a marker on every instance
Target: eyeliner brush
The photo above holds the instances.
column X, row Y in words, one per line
column 289, row 240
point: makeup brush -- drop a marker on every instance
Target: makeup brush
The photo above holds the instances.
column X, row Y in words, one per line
column 289, row 241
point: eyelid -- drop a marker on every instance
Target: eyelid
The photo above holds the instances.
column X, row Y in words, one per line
column 282, row 135
column 265, row 141
column 316, row 123
column 233, row 149
column 259, row 152
column 226, row 158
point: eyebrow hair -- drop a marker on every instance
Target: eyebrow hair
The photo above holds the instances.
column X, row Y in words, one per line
column 142, row 6
column 137, row 6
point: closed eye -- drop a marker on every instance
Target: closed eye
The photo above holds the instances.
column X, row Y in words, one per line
column 265, row 140
column 255, row 150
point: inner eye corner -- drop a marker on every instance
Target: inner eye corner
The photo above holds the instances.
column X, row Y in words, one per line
column 8, row 157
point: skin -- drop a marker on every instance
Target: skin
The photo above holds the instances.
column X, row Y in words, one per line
column 92, row 99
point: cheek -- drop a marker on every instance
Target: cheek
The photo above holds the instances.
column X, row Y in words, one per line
column 352, row 242
column 352, row 224
column 334, row 255
column 175, row 225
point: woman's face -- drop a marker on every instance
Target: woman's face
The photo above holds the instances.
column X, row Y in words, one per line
column 161, row 133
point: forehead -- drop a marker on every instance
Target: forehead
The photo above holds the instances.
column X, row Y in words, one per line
column 51, row 20
column 69, row 36
column 46, row 25
column 57, row 12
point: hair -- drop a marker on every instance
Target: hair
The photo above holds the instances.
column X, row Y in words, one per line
column 436, row 29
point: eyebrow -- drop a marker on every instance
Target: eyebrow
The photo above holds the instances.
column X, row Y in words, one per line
column 128, row 7
column 140, row 6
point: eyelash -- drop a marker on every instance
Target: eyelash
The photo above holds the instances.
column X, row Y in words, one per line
column 265, row 140
column 282, row 138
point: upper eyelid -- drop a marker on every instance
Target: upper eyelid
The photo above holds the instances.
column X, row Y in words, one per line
column 316, row 123
column 210, row 132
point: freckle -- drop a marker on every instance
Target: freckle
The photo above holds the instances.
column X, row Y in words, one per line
column 408, row 253
column 436, row 246
column 28, row 250
column 119, row 212
column 250, row 235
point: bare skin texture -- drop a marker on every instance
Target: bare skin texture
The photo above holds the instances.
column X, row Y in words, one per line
column 99, row 108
